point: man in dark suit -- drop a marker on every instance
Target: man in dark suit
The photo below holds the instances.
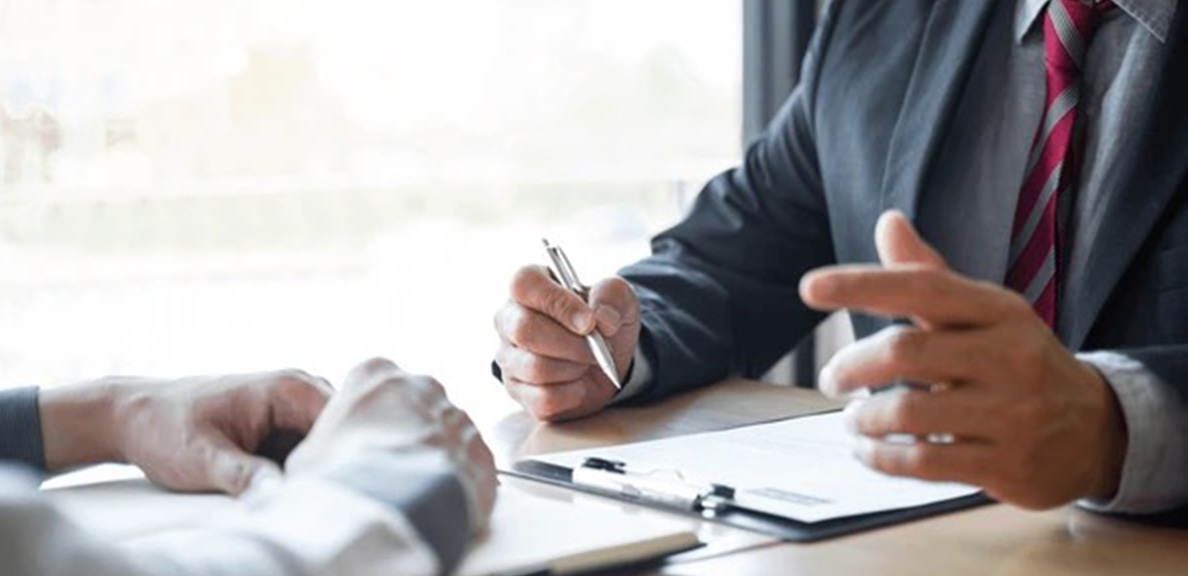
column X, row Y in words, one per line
column 1038, row 147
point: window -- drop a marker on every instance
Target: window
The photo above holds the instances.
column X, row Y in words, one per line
column 240, row 185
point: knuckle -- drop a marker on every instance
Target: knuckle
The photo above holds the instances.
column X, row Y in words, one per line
column 521, row 329
column 882, row 459
column 427, row 384
column 535, row 370
column 618, row 290
column 1017, row 305
column 559, row 305
column 905, row 347
column 620, row 287
column 293, row 375
column 523, row 280
column 376, row 365
column 292, row 381
column 905, row 412
column 917, row 459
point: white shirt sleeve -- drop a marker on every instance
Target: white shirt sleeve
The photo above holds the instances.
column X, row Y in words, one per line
column 1156, row 462
column 307, row 527
column 640, row 380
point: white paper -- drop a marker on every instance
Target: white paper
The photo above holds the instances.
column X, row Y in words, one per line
column 532, row 532
column 802, row 468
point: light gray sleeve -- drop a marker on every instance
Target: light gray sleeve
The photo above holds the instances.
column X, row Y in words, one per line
column 402, row 519
column 36, row 540
column 425, row 489
column 1156, row 464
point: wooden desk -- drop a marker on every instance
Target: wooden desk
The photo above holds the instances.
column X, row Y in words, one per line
column 995, row 539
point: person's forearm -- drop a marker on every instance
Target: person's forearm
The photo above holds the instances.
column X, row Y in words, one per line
column 77, row 424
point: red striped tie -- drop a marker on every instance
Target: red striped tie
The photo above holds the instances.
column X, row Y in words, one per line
column 1051, row 167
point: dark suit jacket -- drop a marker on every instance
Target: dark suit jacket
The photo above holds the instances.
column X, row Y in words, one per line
column 859, row 136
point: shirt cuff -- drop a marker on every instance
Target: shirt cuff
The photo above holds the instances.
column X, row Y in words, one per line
column 638, row 381
column 422, row 486
column 1156, row 460
column 20, row 428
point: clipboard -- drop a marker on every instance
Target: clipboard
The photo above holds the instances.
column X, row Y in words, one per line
column 717, row 502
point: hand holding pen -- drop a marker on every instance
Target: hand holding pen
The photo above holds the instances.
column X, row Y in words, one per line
column 550, row 355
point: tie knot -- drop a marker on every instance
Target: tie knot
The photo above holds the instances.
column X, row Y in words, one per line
column 1068, row 28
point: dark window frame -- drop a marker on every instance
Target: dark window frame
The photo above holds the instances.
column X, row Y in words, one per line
column 776, row 35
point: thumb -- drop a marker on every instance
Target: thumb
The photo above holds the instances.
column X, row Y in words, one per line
column 231, row 470
column 615, row 305
column 898, row 243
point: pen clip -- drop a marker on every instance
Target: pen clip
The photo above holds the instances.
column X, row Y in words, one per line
column 614, row 478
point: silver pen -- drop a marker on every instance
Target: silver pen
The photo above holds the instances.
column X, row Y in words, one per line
column 564, row 273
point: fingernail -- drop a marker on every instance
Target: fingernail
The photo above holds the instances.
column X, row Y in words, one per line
column 582, row 321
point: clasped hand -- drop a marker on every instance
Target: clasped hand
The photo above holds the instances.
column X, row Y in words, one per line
column 203, row 433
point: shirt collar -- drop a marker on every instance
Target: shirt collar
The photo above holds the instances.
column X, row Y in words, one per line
column 1154, row 15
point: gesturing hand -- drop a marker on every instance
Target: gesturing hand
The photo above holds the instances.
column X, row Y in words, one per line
column 547, row 366
column 1030, row 423
column 193, row 434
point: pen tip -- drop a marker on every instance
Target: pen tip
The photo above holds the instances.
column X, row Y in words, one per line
column 545, row 241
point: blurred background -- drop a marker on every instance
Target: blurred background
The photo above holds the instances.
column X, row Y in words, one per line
column 199, row 187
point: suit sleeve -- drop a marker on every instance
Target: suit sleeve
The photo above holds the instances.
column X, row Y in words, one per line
column 411, row 519
column 20, row 428
column 719, row 295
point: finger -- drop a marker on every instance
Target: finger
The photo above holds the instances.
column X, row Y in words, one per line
column 229, row 469
column 534, row 288
column 424, row 389
column 964, row 462
column 934, row 295
column 960, row 412
column 295, row 400
column 905, row 353
column 615, row 305
column 536, row 369
column 540, row 334
column 898, row 243
column 368, row 370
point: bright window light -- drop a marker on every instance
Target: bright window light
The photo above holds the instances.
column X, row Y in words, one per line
column 241, row 185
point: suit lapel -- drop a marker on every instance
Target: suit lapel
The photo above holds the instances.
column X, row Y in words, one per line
column 951, row 41
column 1145, row 181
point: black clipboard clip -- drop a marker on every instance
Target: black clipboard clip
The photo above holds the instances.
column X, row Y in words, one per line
column 663, row 488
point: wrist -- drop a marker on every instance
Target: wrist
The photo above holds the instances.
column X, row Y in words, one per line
column 78, row 424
